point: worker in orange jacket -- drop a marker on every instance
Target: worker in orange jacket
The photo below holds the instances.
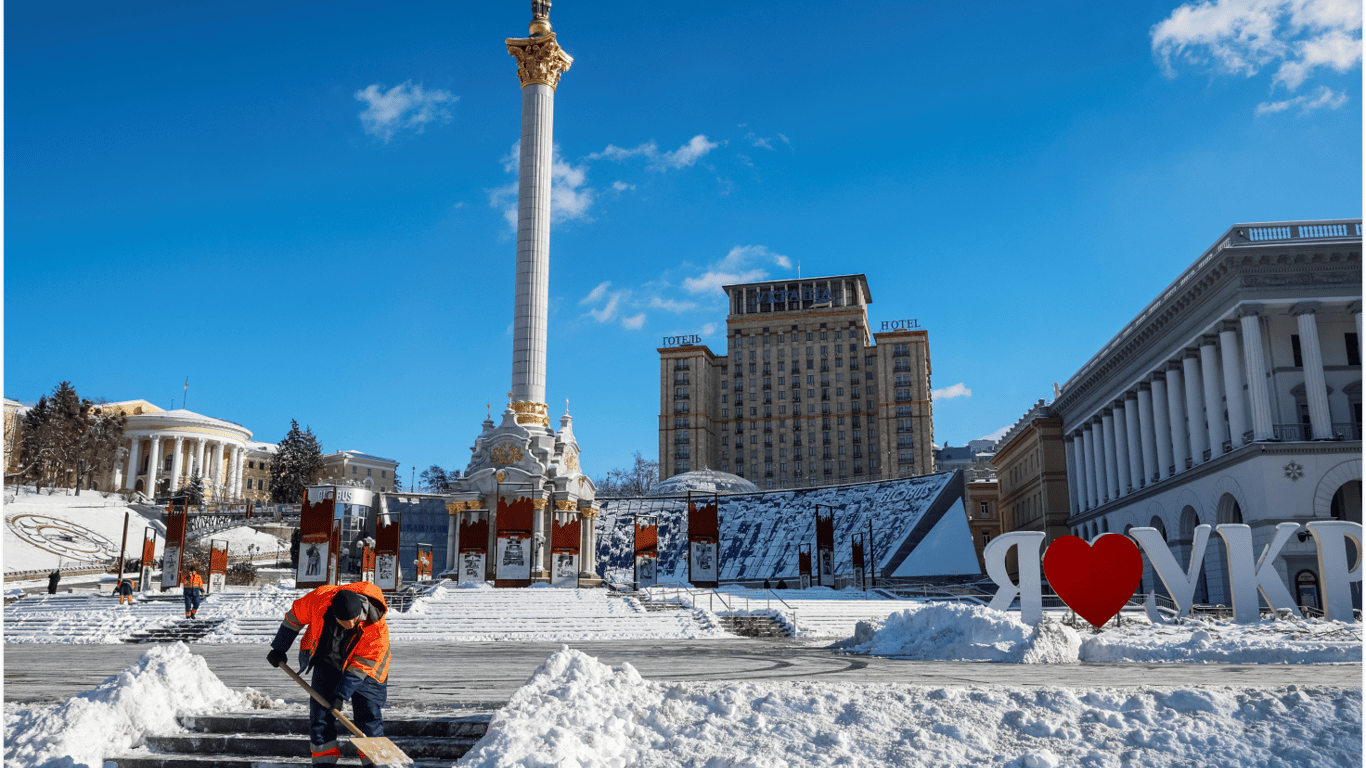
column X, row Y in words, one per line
column 347, row 647
column 193, row 587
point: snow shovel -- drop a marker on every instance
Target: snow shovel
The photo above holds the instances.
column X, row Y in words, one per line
column 380, row 750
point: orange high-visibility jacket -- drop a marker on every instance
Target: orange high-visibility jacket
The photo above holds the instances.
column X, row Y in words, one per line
column 192, row 580
column 370, row 656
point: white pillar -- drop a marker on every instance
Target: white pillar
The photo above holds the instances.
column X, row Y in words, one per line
column 1233, row 382
column 1124, row 480
column 1107, row 450
column 1086, row 466
column 200, row 445
column 1214, row 403
column 238, row 454
column 1148, row 433
column 1097, row 472
column 218, row 473
column 177, row 463
column 134, row 448
column 153, row 466
column 1195, row 406
column 531, row 305
column 1176, row 410
column 1258, row 393
column 1132, row 435
column 1315, row 388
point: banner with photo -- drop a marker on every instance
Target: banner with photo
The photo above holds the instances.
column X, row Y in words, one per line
column 471, row 565
column 386, row 571
column 702, row 564
column 514, row 556
column 564, row 569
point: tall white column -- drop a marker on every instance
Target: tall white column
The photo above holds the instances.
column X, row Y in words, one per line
column 1214, row 403
column 1233, row 382
column 200, row 445
column 1148, row 432
column 1088, row 454
column 153, row 466
column 177, row 463
column 134, row 448
column 238, row 454
column 219, row 472
column 1176, row 410
column 1134, row 439
column 1258, row 393
column 1195, row 406
column 1124, row 480
column 540, row 62
column 1163, row 432
column 1315, row 388
column 1107, row 452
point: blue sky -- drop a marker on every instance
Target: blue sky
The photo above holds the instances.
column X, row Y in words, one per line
column 302, row 206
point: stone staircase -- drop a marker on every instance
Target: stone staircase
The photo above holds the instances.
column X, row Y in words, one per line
column 185, row 631
column 265, row 739
column 761, row 626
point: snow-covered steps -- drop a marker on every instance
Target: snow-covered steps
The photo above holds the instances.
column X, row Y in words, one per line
column 817, row 612
column 443, row 614
column 259, row 739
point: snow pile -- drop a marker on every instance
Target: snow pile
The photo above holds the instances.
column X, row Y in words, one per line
column 575, row 711
column 117, row 715
column 957, row 632
column 1295, row 641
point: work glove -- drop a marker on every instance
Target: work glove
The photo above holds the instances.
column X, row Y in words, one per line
column 276, row 656
column 338, row 703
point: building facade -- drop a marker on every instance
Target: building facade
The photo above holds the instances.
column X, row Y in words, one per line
column 1031, row 469
column 358, row 468
column 806, row 394
column 982, row 498
column 1233, row 397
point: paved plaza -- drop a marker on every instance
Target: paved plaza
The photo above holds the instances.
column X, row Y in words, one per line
column 484, row 675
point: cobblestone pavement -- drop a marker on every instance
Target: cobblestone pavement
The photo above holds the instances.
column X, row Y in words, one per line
column 484, row 675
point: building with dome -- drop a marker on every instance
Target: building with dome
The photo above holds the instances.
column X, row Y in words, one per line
column 165, row 449
column 702, row 481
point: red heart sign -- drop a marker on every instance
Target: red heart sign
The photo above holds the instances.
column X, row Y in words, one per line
column 1095, row 580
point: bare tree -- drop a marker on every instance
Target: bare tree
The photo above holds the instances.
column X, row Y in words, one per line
column 636, row 481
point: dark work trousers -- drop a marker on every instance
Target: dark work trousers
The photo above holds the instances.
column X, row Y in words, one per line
column 367, row 705
column 191, row 599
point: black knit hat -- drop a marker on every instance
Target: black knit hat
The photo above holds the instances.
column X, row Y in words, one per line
column 348, row 604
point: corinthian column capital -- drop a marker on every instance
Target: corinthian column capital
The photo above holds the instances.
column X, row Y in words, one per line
column 539, row 59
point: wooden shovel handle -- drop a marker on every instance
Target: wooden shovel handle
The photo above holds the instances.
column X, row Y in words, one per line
column 318, row 697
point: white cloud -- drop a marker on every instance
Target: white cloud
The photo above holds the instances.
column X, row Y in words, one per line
column 743, row 264
column 709, row 328
column 670, row 305
column 998, row 434
column 621, row 186
column 950, row 392
column 1243, row 36
column 683, row 157
column 403, row 106
column 597, row 293
column 633, row 323
column 1326, row 97
column 766, row 142
column 570, row 197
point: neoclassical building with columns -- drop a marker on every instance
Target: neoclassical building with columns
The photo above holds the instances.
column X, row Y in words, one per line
column 164, row 449
column 1234, row 397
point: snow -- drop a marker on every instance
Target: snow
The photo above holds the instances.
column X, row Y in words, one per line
column 957, row 632
column 144, row 699
column 946, row 550
column 576, row 712
column 90, row 510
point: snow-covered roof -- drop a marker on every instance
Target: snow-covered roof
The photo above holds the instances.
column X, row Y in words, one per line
column 180, row 417
column 702, row 481
column 259, row 447
column 354, row 455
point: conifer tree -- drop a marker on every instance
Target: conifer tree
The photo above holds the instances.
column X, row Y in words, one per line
column 295, row 466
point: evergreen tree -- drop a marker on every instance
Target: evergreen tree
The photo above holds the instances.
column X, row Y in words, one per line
column 100, row 437
column 193, row 489
column 66, row 440
column 398, row 480
column 296, row 465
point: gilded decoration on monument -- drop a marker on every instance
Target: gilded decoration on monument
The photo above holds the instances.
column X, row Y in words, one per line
column 505, row 454
column 588, row 512
column 455, row 507
column 571, row 460
column 538, row 505
column 531, row 413
column 539, row 60
column 564, row 505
